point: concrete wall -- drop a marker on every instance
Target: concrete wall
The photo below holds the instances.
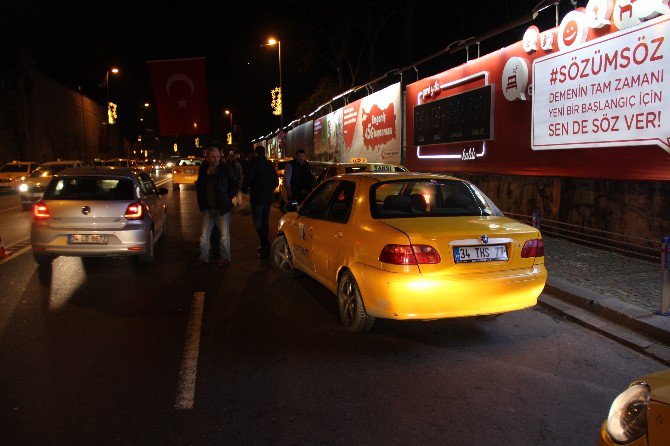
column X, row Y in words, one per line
column 42, row 120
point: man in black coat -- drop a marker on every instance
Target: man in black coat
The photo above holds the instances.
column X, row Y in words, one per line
column 216, row 189
column 260, row 182
column 298, row 178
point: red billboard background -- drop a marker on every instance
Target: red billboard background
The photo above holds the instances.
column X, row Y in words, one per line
column 509, row 151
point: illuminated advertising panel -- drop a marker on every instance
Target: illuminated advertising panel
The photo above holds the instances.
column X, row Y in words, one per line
column 369, row 128
column 607, row 93
column 596, row 84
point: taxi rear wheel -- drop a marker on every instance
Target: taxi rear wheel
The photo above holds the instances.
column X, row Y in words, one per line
column 352, row 311
column 282, row 259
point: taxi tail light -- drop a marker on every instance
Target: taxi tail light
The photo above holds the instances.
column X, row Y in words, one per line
column 532, row 248
column 40, row 211
column 176, row 171
column 409, row 254
column 134, row 211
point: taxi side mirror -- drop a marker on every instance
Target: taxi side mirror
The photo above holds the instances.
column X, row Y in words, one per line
column 292, row 206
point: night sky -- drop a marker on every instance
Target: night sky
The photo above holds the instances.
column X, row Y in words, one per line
column 76, row 42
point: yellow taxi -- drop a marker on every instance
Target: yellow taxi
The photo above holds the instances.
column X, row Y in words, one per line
column 185, row 171
column 638, row 416
column 410, row 246
column 322, row 170
column 358, row 165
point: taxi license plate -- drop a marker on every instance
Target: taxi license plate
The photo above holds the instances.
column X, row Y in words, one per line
column 468, row 254
column 90, row 239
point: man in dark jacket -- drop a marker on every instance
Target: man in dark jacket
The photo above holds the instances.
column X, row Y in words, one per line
column 260, row 182
column 216, row 188
column 298, row 178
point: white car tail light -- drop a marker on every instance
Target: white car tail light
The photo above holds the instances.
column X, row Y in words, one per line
column 40, row 211
column 134, row 211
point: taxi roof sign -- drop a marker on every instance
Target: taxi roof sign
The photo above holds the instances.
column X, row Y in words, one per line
column 358, row 160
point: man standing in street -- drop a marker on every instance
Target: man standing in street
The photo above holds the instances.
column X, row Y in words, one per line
column 216, row 188
column 260, row 182
column 298, row 178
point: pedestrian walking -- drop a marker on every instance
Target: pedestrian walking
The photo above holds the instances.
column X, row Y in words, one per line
column 260, row 182
column 235, row 165
column 216, row 189
column 298, row 178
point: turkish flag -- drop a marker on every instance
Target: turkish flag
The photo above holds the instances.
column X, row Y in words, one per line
column 180, row 93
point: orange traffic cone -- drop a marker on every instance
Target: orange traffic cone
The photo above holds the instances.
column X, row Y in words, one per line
column 3, row 253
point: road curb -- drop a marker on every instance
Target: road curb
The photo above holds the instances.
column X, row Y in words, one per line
column 629, row 316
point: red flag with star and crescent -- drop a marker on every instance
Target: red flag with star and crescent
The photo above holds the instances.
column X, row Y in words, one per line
column 180, row 93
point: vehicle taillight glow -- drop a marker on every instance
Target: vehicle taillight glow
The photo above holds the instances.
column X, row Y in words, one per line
column 176, row 171
column 40, row 211
column 409, row 254
column 532, row 248
column 134, row 211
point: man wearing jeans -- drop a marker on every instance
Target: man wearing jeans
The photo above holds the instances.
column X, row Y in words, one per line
column 216, row 188
column 260, row 182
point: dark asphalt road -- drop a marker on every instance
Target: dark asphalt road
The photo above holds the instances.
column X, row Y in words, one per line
column 91, row 354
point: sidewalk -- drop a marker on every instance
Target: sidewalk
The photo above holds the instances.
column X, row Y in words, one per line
column 607, row 287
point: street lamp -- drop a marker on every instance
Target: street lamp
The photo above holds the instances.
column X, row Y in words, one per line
column 273, row 41
column 229, row 113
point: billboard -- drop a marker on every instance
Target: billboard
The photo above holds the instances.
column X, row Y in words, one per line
column 369, row 128
column 556, row 89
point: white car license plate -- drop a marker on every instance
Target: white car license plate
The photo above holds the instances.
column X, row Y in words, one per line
column 92, row 239
column 467, row 254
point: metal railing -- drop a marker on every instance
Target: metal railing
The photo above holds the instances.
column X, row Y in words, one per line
column 628, row 245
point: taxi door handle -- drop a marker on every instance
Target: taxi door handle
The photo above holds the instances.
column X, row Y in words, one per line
column 338, row 234
column 310, row 228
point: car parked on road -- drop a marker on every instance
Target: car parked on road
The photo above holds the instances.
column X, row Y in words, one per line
column 410, row 246
column 32, row 188
column 639, row 415
column 185, row 171
column 99, row 212
column 13, row 173
column 341, row 168
column 322, row 170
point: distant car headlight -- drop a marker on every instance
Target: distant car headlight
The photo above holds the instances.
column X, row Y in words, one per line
column 627, row 420
column 23, row 188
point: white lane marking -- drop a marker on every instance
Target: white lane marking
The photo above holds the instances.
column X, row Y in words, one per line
column 11, row 209
column 15, row 254
column 161, row 182
column 189, row 360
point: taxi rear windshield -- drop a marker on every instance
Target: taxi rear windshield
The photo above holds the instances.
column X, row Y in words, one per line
column 90, row 188
column 429, row 198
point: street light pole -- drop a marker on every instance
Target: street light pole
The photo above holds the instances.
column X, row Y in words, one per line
column 114, row 70
column 281, row 89
column 273, row 41
column 229, row 113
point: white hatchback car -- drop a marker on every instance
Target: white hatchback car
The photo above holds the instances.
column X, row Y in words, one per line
column 98, row 212
column 32, row 188
column 11, row 174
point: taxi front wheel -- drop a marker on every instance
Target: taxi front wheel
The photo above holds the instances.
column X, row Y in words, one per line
column 282, row 259
column 352, row 312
